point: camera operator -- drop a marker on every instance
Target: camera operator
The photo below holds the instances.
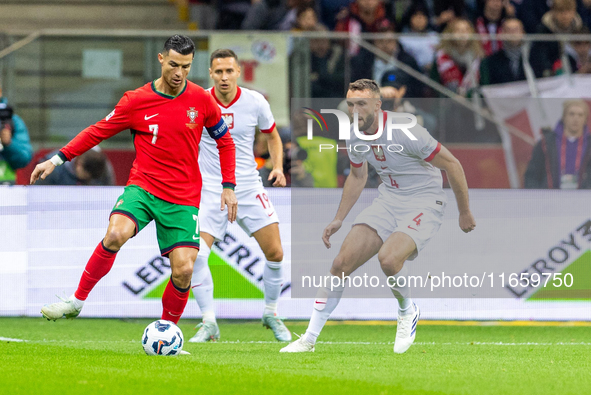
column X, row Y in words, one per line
column 15, row 147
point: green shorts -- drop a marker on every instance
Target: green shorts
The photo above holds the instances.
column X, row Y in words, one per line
column 176, row 225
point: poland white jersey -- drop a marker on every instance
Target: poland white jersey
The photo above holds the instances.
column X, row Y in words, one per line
column 406, row 174
column 248, row 110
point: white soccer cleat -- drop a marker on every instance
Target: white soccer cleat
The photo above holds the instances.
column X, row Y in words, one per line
column 406, row 330
column 270, row 321
column 63, row 309
column 208, row 332
column 300, row 345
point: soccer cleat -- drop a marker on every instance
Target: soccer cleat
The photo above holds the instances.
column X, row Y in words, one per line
column 208, row 331
column 300, row 345
column 406, row 330
column 274, row 323
column 183, row 352
column 63, row 309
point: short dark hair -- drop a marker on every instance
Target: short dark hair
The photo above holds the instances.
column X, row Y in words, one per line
column 222, row 53
column 365, row 85
column 94, row 162
column 181, row 44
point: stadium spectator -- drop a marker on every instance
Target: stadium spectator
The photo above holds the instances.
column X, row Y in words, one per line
column 561, row 19
column 584, row 11
column 457, row 62
column 329, row 9
column 490, row 20
column 578, row 52
column 299, row 177
column 15, row 147
column 273, row 14
column 530, row 12
column 505, row 65
column 321, row 165
column 362, row 16
column 394, row 87
column 306, row 19
column 327, row 67
column 416, row 20
column 232, row 13
column 562, row 158
column 91, row 168
column 445, row 11
column 393, row 48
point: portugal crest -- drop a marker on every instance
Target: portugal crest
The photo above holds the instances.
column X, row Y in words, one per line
column 192, row 114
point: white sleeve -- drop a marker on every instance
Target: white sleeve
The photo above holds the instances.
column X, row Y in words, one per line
column 265, row 117
column 357, row 159
column 424, row 147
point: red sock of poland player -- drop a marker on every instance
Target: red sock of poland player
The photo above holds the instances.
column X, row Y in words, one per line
column 97, row 267
column 174, row 301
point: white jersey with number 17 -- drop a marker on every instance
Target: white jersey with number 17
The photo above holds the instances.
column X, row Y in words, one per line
column 248, row 110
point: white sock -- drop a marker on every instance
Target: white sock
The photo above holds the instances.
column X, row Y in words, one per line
column 77, row 302
column 202, row 284
column 324, row 304
column 272, row 279
column 402, row 293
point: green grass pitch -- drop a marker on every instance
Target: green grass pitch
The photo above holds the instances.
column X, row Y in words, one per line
column 100, row 356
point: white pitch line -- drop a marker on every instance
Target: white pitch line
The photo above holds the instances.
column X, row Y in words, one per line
column 9, row 339
column 324, row 342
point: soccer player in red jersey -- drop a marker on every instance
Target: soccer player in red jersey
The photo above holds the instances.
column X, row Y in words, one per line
column 166, row 118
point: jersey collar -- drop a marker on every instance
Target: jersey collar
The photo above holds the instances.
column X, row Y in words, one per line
column 238, row 92
column 166, row 96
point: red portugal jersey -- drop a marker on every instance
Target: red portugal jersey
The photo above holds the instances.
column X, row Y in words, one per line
column 166, row 134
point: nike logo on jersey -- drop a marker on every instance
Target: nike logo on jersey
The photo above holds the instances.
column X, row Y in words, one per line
column 271, row 213
column 410, row 227
column 149, row 117
column 195, row 237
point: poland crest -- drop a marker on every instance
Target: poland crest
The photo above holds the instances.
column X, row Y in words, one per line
column 192, row 114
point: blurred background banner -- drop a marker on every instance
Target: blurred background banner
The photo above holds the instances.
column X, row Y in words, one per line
column 264, row 63
column 53, row 230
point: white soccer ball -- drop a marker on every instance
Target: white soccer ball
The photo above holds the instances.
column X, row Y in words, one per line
column 162, row 338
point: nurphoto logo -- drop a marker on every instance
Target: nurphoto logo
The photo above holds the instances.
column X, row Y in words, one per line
column 392, row 125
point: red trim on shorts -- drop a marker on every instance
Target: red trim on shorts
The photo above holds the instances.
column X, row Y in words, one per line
column 356, row 164
column 270, row 130
column 435, row 151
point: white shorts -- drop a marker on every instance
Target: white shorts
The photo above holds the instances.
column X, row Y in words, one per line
column 255, row 211
column 420, row 223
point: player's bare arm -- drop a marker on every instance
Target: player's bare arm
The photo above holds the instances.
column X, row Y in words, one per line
column 229, row 199
column 276, row 152
column 445, row 160
column 351, row 191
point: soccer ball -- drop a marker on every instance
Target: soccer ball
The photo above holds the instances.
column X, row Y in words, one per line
column 162, row 338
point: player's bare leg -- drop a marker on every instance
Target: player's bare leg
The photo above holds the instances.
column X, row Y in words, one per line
column 270, row 242
column 359, row 246
column 120, row 229
column 395, row 251
column 202, row 285
column 177, row 290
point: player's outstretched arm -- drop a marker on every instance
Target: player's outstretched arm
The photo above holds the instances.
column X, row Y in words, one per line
column 445, row 160
column 276, row 152
column 351, row 191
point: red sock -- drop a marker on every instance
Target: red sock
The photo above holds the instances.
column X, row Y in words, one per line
column 97, row 267
column 174, row 301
